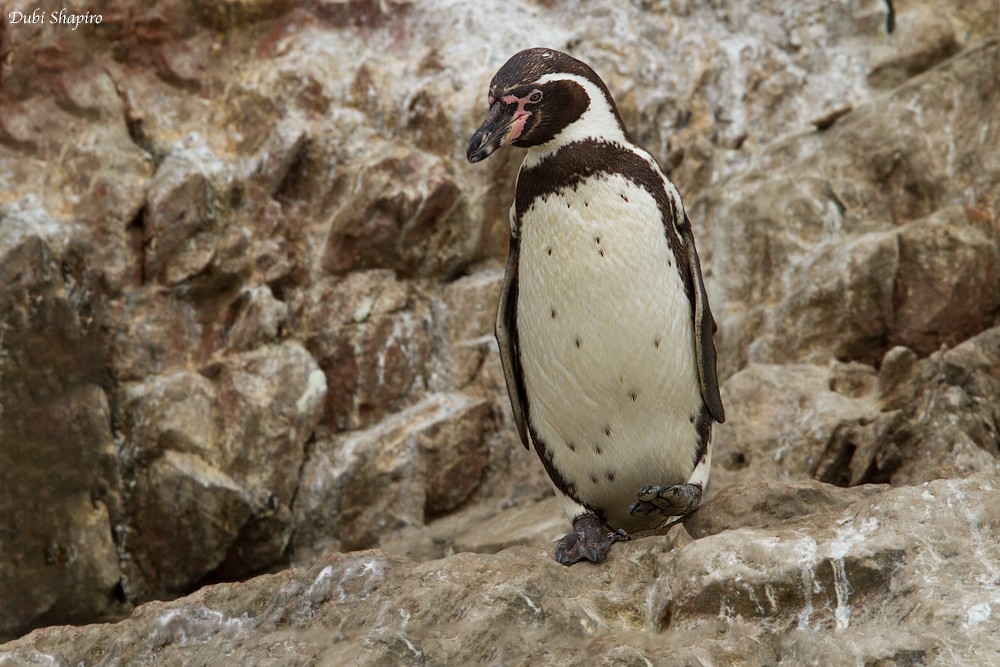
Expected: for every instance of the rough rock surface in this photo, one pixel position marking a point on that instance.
(822, 584)
(247, 288)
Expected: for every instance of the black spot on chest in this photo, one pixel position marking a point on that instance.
(575, 163)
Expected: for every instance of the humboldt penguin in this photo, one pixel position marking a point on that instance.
(604, 326)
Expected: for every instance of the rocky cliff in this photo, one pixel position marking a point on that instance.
(247, 287)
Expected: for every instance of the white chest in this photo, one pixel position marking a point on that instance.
(607, 343)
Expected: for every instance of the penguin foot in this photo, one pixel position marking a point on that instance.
(667, 499)
(588, 541)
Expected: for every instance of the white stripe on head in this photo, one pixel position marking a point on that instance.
(597, 122)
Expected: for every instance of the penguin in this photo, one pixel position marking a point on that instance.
(604, 326)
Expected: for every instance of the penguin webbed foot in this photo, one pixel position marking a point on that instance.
(588, 541)
(667, 499)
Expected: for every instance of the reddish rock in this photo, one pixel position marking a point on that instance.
(370, 334)
(398, 218)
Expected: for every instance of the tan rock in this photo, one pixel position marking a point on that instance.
(271, 400)
(482, 527)
(208, 460)
(822, 587)
(169, 412)
(464, 313)
(58, 492)
(801, 221)
(358, 488)
(839, 302)
(944, 411)
(925, 36)
(181, 226)
(140, 345)
(948, 286)
(851, 299)
(764, 503)
(183, 515)
(256, 318)
(802, 399)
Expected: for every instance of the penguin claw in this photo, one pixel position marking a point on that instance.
(667, 499)
(641, 507)
(619, 535)
(588, 541)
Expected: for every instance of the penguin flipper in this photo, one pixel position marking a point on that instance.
(704, 328)
(506, 335)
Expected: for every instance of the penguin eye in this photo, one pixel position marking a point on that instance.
(535, 97)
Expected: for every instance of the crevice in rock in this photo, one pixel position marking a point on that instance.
(663, 622)
(293, 187)
(834, 467)
(134, 121)
(230, 314)
(136, 231)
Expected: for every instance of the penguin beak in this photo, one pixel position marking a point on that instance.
(495, 131)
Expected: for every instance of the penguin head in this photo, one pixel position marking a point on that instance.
(541, 96)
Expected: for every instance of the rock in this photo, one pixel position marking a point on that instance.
(271, 400)
(180, 232)
(806, 216)
(763, 503)
(845, 569)
(279, 153)
(58, 485)
(842, 426)
(257, 318)
(926, 37)
(932, 302)
(464, 313)
(852, 299)
(839, 302)
(937, 419)
(169, 412)
(139, 346)
(208, 460)
(358, 488)
(483, 528)
(370, 334)
(405, 201)
(818, 588)
(804, 400)
(179, 498)
(57, 532)
(947, 414)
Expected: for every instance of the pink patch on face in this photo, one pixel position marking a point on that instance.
(520, 116)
